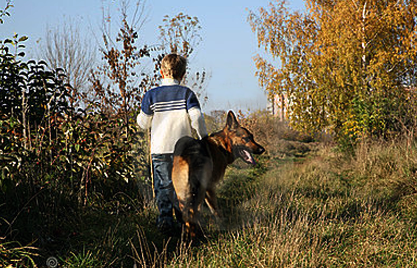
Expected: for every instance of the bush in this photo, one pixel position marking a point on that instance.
(57, 160)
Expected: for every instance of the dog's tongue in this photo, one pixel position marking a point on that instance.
(248, 157)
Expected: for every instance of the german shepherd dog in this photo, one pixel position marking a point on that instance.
(200, 164)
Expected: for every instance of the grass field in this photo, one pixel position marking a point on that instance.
(303, 205)
(324, 210)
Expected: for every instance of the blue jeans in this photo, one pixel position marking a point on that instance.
(164, 190)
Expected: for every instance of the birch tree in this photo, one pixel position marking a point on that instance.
(343, 64)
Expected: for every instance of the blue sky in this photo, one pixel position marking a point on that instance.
(226, 51)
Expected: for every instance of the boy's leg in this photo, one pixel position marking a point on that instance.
(164, 189)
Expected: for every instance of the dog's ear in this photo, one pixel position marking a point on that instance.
(231, 122)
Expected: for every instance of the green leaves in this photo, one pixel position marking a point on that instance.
(44, 138)
(22, 39)
(5, 12)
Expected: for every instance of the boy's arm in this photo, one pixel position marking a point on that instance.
(196, 116)
(144, 121)
(197, 122)
(144, 118)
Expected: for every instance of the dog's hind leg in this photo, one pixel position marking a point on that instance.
(211, 201)
(197, 198)
(180, 173)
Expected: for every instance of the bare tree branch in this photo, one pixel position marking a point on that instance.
(64, 47)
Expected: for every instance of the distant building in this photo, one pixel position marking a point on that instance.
(278, 106)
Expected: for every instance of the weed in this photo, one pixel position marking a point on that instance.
(12, 254)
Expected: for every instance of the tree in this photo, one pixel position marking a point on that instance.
(120, 82)
(181, 34)
(343, 64)
(64, 47)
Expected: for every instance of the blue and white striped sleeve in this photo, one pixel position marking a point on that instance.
(144, 118)
(196, 116)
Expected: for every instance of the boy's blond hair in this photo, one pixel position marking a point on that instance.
(174, 66)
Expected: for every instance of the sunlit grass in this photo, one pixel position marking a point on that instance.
(328, 209)
(325, 212)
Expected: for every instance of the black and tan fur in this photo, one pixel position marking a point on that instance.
(200, 164)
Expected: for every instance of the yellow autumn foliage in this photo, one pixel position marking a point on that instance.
(345, 66)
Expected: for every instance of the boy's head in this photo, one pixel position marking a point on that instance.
(173, 66)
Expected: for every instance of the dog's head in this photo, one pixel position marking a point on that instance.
(241, 140)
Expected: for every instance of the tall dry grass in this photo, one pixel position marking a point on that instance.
(297, 208)
(330, 210)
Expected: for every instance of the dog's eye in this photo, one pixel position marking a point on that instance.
(247, 139)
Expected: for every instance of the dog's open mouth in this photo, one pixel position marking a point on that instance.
(247, 156)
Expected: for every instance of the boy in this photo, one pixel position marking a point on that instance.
(170, 111)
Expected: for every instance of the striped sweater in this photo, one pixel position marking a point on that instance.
(168, 111)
